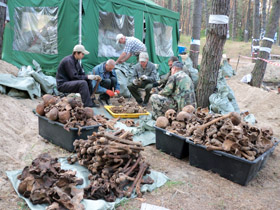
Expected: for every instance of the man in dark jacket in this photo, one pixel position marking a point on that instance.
(71, 78)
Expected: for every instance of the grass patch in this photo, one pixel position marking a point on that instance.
(22, 205)
(171, 184)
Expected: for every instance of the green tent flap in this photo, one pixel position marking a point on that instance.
(68, 14)
(47, 31)
(149, 7)
(161, 39)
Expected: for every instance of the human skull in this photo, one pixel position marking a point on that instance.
(178, 125)
(170, 114)
(189, 108)
(183, 116)
(267, 132)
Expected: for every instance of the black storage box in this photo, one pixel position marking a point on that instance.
(54, 132)
(236, 169)
(171, 143)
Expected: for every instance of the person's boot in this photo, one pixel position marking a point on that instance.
(94, 104)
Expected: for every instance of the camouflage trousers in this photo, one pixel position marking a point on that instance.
(160, 104)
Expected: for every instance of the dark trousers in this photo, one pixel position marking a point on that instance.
(109, 84)
(134, 90)
(83, 87)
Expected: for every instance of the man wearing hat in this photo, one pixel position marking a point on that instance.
(133, 46)
(145, 74)
(177, 93)
(71, 78)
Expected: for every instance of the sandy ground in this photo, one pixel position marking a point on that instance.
(189, 188)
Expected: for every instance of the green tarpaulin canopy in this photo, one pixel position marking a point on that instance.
(46, 31)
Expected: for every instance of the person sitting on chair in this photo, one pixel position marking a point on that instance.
(109, 85)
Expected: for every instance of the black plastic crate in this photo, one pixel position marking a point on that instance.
(55, 133)
(236, 169)
(171, 143)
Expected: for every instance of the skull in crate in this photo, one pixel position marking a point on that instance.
(267, 132)
(178, 125)
(170, 114)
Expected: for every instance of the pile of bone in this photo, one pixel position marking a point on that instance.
(127, 107)
(67, 110)
(44, 182)
(228, 133)
(115, 162)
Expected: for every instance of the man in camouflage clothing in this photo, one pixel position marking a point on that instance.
(178, 92)
(162, 82)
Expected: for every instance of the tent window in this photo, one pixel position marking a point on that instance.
(35, 29)
(163, 39)
(111, 24)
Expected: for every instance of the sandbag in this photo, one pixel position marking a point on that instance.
(124, 73)
(192, 72)
(18, 93)
(47, 83)
(223, 100)
(2, 89)
(226, 69)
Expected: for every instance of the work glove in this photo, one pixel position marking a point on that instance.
(94, 77)
(117, 92)
(143, 77)
(136, 82)
(110, 93)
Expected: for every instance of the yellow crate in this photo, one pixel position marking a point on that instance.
(124, 115)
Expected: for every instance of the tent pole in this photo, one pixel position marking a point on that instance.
(80, 21)
(80, 24)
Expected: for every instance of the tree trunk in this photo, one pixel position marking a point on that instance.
(233, 32)
(212, 54)
(206, 16)
(268, 10)
(2, 24)
(263, 17)
(189, 18)
(247, 25)
(260, 66)
(278, 35)
(179, 6)
(196, 27)
(256, 31)
(170, 4)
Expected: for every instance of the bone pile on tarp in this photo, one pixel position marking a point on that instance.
(71, 112)
(228, 133)
(44, 182)
(123, 106)
(115, 162)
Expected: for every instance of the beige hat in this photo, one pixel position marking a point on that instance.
(143, 56)
(118, 37)
(80, 48)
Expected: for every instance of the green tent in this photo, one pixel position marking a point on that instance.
(46, 31)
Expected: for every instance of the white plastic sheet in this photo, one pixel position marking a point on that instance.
(268, 39)
(195, 41)
(218, 19)
(35, 29)
(107, 33)
(163, 39)
(265, 49)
